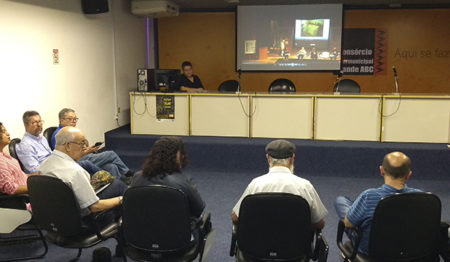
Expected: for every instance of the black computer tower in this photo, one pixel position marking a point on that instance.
(158, 80)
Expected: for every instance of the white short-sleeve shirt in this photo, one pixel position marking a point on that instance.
(281, 180)
(62, 166)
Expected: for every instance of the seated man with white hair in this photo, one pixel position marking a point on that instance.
(280, 156)
(70, 143)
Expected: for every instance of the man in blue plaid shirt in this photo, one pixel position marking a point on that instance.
(396, 170)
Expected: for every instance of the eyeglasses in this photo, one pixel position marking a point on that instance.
(35, 123)
(82, 144)
(71, 119)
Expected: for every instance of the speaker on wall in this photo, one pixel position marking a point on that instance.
(94, 6)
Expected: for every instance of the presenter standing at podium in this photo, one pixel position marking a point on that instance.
(188, 81)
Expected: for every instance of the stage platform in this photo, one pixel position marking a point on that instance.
(340, 158)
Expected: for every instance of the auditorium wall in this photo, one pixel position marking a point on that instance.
(418, 44)
(98, 57)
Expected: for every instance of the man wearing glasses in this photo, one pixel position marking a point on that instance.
(34, 149)
(70, 145)
(106, 160)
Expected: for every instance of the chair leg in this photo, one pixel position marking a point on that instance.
(120, 252)
(35, 238)
(344, 258)
(79, 253)
(78, 256)
(43, 242)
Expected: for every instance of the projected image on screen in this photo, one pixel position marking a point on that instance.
(318, 29)
(289, 37)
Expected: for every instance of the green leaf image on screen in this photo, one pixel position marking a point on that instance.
(312, 28)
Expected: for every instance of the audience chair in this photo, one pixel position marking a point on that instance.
(12, 150)
(282, 85)
(276, 227)
(229, 86)
(48, 135)
(17, 227)
(347, 86)
(445, 241)
(56, 210)
(405, 227)
(156, 226)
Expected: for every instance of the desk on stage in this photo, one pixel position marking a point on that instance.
(365, 117)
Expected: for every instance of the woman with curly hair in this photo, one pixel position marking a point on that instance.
(164, 166)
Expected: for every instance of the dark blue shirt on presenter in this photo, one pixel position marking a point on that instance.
(188, 81)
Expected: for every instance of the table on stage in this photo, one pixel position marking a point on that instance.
(362, 117)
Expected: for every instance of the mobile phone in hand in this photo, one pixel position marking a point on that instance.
(98, 144)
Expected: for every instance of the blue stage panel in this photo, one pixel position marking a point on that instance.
(339, 158)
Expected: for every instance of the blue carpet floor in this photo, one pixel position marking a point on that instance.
(221, 191)
(222, 168)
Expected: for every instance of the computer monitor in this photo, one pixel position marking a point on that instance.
(165, 80)
(158, 80)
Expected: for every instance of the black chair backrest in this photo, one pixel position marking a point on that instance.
(282, 85)
(347, 86)
(156, 218)
(405, 226)
(48, 135)
(55, 207)
(274, 226)
(12, 150)
(229, 86)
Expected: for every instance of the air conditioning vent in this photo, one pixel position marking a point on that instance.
(154, 9)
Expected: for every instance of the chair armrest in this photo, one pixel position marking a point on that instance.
(340, 234)
(91, 219)
(315, 252)
(100, 189)
(18, 201)
(233, 240)
(445, 226)
(444, 246)
(207, 236)
(321, 247)
(23, 197)
(444, 231)
(340, 244)
(205, 225)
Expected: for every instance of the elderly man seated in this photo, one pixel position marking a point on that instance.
(280, 156)
(70, 145)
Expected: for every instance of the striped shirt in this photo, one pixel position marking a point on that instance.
(361, 212)
(11, 176)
